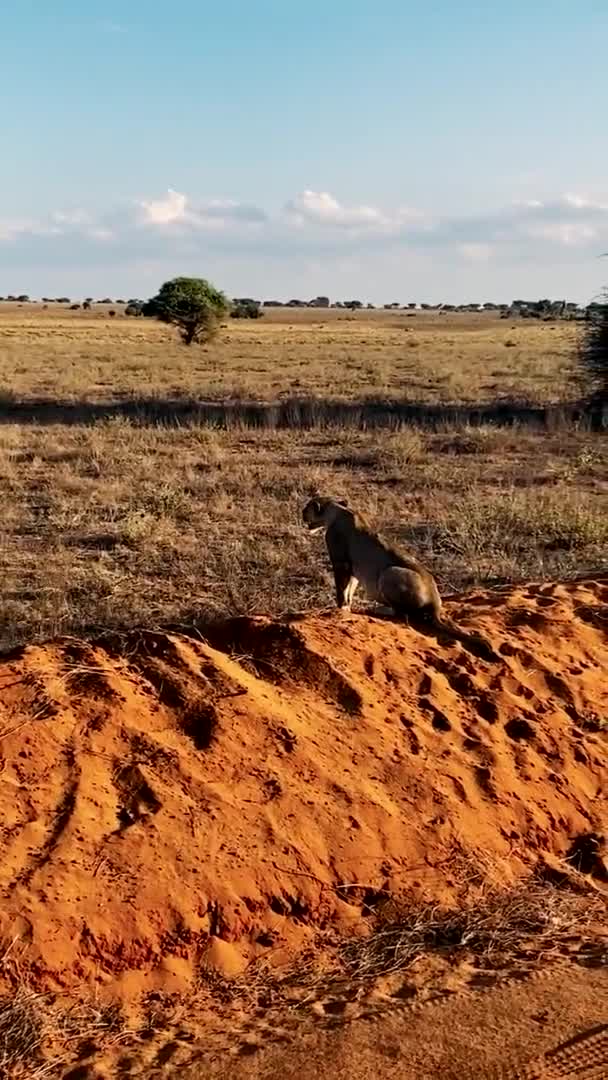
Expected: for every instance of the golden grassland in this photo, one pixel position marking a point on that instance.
(83, 356)
(122, 522)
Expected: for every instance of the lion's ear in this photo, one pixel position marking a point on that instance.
(316, 505)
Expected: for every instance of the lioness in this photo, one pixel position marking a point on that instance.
(397, 579)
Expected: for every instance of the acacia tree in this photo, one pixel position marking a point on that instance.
(194, 305)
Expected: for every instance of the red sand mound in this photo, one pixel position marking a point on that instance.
(163, 800)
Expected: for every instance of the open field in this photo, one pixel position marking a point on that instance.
(295, 844)
(84, 356)
(122, 522)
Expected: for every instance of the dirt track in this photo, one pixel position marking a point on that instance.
(555, 1027)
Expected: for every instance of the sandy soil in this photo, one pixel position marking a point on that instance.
(173, 803)
(554, 1026)
(161, 796)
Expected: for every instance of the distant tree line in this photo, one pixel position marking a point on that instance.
(249, 308)
(86, 303)
(517, 308)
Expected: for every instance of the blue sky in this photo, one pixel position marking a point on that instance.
(452, 150)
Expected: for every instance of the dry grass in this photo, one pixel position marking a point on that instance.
(81, 356)
(41, 1035)
(121, 522)
(21, 1033)
(118, 524)
(501, 931)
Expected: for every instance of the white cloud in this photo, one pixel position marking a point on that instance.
(321, 208)
(580, 202)
(176, 210)
(71, 217)
(566, 233)
(311, 228)
(164, 211)
(9, 229)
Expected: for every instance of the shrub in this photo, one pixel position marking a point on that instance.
(246, 309)
(194, 305)
(594, 349)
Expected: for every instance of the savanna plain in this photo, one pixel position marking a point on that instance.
(242, 835)
(110, 519)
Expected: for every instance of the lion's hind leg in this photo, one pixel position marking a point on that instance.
(400, 589)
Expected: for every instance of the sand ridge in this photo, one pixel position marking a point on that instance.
(171, 799)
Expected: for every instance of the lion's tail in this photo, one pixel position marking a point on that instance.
(477, 644)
